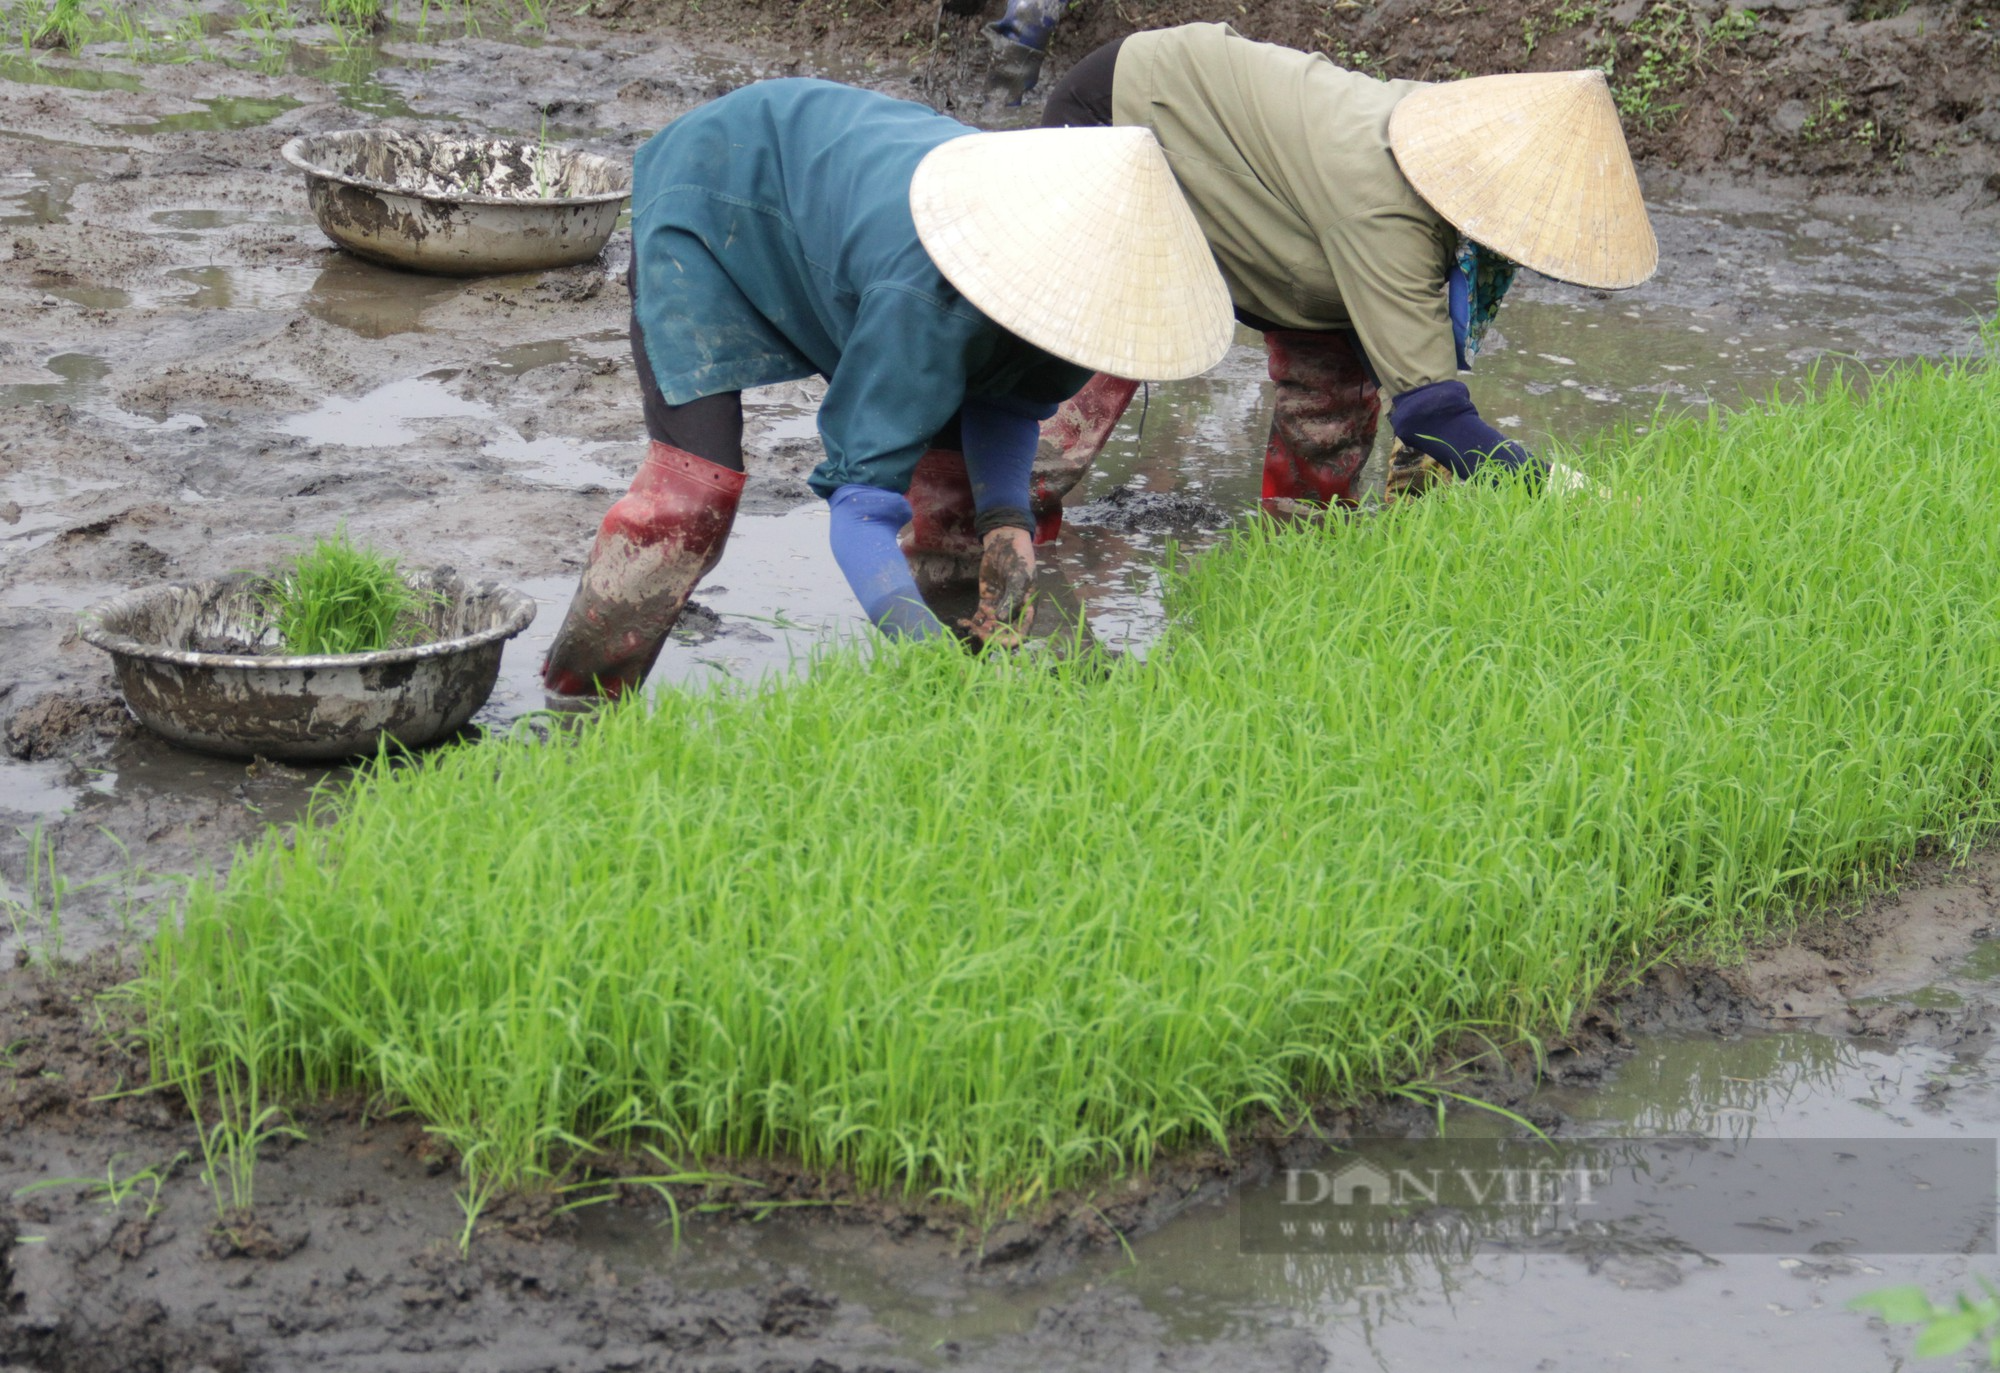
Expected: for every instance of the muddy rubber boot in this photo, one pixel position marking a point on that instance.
(1071, 440)
(657, 541)
(942, 541)
(1324, 421)
(944, 551)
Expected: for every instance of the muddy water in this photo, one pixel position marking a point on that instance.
(1190, 1298)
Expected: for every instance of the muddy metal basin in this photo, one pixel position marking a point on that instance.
(460, 206)
(184, 656)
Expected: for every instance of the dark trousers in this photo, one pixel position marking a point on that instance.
(710, 427)
(1083, 96)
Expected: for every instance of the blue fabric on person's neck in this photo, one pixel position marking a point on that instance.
(1478, 282)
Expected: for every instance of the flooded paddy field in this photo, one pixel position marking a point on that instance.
(192, 382)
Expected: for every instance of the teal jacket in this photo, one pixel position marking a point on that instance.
(772, 239)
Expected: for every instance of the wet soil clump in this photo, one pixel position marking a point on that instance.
(1127, 510)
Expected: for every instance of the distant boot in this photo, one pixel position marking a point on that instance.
(657, 541)
(1071, 440)
(1015, 70)
(1324, 422)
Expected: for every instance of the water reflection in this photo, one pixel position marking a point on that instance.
(371, 301)
(1576, 1297)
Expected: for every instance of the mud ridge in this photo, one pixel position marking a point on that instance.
(1878, 95)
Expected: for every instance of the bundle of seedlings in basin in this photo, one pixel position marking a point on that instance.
(337, 598)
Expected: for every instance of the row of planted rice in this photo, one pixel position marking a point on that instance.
(990, 929)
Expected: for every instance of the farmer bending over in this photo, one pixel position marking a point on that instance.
(1368, 228)
(951, 286)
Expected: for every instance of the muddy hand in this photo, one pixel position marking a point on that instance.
(1006, 577)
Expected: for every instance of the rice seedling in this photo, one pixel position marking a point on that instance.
(364, 14)
(543, 161)
(982, 930)
(65, 25)
(39, 906)
(112, 1190)
(337, 598)
(1948, 1327)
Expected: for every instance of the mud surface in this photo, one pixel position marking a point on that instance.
(118, 1257)
(192, 383)
(1884, 95)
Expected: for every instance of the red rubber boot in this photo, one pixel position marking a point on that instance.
(942, 519)
(657, 541)
(1324, 424)
(1071, 440)
(942, 543)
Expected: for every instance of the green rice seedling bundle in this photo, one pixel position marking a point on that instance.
(995, 931)
(337, 598)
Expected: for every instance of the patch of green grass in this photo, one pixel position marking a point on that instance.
(337, 598)
(989, 930)
(1948, 1327)
(1662, 51)
(181, 29)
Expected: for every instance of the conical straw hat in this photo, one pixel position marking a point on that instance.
(1533, 166)
(1079, 241)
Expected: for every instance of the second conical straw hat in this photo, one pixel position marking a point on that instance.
(1533, 166)
(1079, 241)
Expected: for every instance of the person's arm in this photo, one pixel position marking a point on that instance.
(863, 534)
(1440, 420)
(900, 377)
(1387, 263)
(1001, 435)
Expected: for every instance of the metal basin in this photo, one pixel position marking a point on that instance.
(186, 658)
(460, 206)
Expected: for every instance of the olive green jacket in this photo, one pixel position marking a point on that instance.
(1285, 158)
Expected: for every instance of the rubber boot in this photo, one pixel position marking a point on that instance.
(942, 541)
(1324, 422)
(657, 541)
(1071, 440)
(1015, 69)
(943, 547)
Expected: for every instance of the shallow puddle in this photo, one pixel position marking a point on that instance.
(386, 417)
(1629, 1293)
(75, 374)
(37, 194)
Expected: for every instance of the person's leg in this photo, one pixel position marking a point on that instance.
(1323, 423)
(1071, 440)
(711, 427)
(1020, 40)
(664, 535)
(1082, 99)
